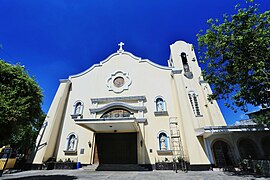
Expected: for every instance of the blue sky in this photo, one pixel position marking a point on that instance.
(58, 38)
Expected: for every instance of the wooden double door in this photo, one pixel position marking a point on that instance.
(116, 148)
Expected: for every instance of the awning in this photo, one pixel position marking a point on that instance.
(110, 125)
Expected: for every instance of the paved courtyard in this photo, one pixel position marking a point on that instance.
(130, 175)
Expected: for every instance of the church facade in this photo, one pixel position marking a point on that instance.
(129, 110)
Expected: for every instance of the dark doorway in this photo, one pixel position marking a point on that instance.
(247, 149)
(117, 148)
(266, 147)
(223, 154)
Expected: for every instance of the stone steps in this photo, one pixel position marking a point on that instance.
(91, 167)
(121, 167)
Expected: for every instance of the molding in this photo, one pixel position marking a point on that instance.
(126, 84)
(141, 120)
(210, 130)
(106, 119)
(161, 113)
(176, 71)
(115, 104)
(70, 152)
(261, 127)
(65, 81)
(202, 82)
(164, 152)
(155, 65)
(75, 116)
(112, 99)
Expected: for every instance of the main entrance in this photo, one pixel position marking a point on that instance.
(116, 148)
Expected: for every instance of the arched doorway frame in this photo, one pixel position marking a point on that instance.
(229, 145)
(255, 146)
(266, 153)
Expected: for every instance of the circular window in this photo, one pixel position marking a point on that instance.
(118, 81)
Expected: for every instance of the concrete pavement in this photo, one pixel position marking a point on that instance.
(130, 175)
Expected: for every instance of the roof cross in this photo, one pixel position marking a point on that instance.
(121, 44)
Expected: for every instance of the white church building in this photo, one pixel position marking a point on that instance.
(129, 110)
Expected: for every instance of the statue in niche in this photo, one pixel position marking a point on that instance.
(186, 68)
(78, 108)
(163, 142)
(159, 105)
(71, 144)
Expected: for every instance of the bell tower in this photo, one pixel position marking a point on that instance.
(194, 89)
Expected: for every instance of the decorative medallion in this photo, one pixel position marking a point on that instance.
(118, 82)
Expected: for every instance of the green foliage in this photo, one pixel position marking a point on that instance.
(262, 118)
(20, 107)
(237, 54)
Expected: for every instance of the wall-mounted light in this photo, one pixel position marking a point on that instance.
(141, 143)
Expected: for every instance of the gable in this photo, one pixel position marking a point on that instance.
(120, 60)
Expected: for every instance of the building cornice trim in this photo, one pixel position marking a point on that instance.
(113, 99)
(117, 104)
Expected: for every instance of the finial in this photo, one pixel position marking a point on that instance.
(121, 44)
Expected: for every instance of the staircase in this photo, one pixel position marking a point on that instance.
(122, 167)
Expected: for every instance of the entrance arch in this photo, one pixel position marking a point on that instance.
(223, 154)
(247, 149)
(266, 147)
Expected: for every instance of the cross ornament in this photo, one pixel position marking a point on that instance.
(121, 44)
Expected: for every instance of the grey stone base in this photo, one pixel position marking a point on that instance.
(200, 167)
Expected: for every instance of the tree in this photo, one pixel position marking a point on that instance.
(20, 107)
(262, 118)
(237, 54)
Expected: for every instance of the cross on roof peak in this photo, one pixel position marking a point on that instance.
(121, 44)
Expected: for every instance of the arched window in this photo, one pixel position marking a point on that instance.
(71, 143)
(116, 113)
(223, 154)
(77, 109)
(163, 141)
(193, 98)
(247, 149)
